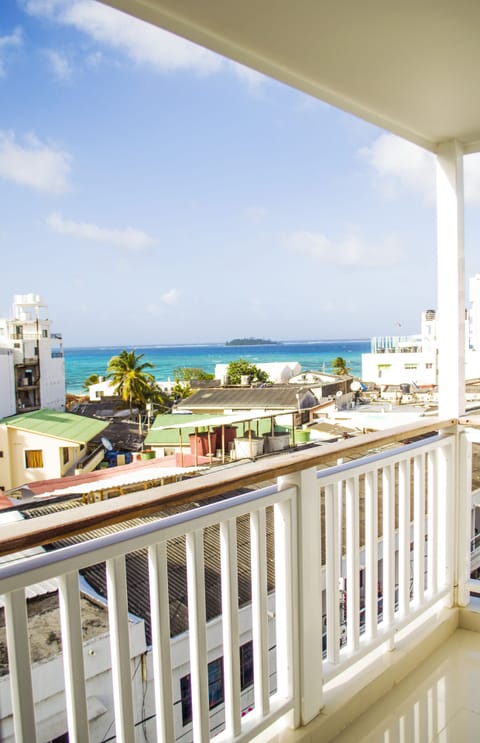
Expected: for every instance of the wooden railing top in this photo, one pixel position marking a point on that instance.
(54, 527)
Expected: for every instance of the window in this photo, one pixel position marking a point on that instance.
(1, 454)
(215, 681)
(215, 689)
(410, 366)
(246, 665)
(65, 454)
(33, 458)
(44, 333)
(428, 366)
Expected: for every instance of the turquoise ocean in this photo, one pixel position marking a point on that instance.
(311, 355)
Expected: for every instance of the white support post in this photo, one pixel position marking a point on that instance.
(451, 280)
(309, 591)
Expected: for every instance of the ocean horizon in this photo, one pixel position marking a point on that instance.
(312, 355)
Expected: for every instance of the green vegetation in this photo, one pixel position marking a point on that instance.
(251, 342)
(238, 369)
(92, 379)
(187, 373)
(339, 366)
(131, 379)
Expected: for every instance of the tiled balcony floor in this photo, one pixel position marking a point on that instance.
(437, 703)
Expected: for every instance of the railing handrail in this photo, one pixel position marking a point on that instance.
(42, 566)
(44, 530)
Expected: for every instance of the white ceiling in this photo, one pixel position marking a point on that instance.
(409, 66)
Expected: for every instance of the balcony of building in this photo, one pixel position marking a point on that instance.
(348, 568)
(355, 575)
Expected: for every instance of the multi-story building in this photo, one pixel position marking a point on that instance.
(413, 359)
(31, 359)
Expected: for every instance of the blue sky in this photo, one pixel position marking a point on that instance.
(153, 192)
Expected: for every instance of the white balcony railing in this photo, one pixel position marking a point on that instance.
(350, 554)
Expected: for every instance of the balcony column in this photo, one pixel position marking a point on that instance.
(309, 674)
(451, 280)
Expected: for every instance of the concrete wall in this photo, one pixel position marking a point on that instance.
(17, 442)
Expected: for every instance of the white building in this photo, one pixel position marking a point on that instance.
(32, 366)
(278, 371)
(413, 359)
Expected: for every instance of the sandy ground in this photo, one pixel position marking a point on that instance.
(44, 627)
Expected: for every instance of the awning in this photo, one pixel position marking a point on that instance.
(221, 420)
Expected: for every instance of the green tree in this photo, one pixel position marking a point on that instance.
(130, 377)
(181, 390)
(339, 366)
(187, 373)
(92, 379)
(238, 369)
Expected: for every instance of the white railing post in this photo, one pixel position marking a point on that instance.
(72, 644)
(120, 648)
(309, 591)
(258, 542)
(231, 658)
(197, 635)
(371, 554)
(286, 601)
(161, 652)
(16, 624)
(463, 508)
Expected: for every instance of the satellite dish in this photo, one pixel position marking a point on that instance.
(339, 393)
(107, 444)
(356, 386)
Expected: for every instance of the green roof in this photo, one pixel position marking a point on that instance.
(158, 436)
(77, 428)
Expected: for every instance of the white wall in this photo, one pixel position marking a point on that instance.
(398, 368)
(7, 384)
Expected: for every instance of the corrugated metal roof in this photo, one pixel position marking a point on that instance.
(137, 566)
(278, 396)
(57, 424)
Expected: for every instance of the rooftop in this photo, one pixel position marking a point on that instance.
(59, 425)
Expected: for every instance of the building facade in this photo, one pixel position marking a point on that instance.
(32, 365)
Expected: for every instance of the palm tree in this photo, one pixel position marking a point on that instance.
(130, 378)
(339, 366)
(92, 379)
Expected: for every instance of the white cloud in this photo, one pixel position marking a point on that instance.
(401, 164)
(252, 78)
(13, 40)
(139, 41)
(129, 239)
(40, 166)
(59, 64)
(170, 297)
(351, 253)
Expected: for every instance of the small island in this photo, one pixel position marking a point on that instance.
(251, 342)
